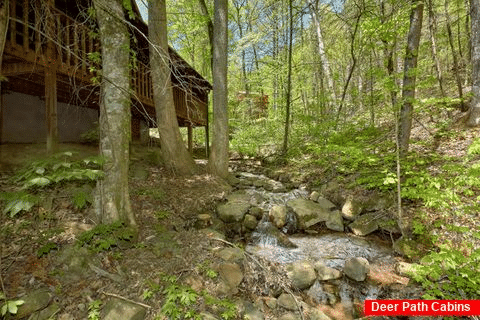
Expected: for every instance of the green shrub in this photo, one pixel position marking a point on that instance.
(106, 236)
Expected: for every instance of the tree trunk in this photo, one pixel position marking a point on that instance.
(474, 116)
(409, 78)
(218, 161)
(113, 202)
(321, 50)
(432, 26)
(455, 58)
(289, 80)
(203, 7)
(4, 14)
(174, 152)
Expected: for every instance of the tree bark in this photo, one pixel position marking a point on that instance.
(474, 116)
(112, 199)
(4, 14)
(289, 80)
(206, 15)
(218, 161)
(174, 152)
(432, 26)
(321, 49)
(455, 58)
(409, 78)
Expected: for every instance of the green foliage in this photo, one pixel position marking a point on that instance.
(474, 148)
(207, 270)
(59, 168)
(226, 307)
(155, 193)
(450, 273)
(105, 236)
(10, 306)
(94, 310)
(16, 202)
(162, 214)
(81, 198)
(45, 249)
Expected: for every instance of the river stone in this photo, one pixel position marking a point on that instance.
(278, 216)
(290, 316)
(365, 224)
(231, 274)
(231, 254)
(357, 268)
(250, 222)
(316, 314)
(335, 221)
(314, 196)
(405, 269)
(257, 212)
(287, 301)
(302, 274)
(252, 312)
(326, 273)
(271, 302)
(120, 309)
(308, 212)
(351, 208)
(33, 301)
(327, 204)
(235, 208)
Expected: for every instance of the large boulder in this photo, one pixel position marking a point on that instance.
(309, 213)
(120, 309)
(357, 268)
(302, 274)
(235, 208)
(326, 273)
(278, 216)
(364, 224)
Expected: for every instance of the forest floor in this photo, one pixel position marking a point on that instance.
(166, 207)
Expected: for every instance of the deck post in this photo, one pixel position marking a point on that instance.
(190, 138)
(51, 84)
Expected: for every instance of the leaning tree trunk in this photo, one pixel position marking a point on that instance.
(474, 116)
(409, 78)
(218, 160)
(113, 202)
(174, 152)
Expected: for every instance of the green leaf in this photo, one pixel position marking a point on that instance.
(37, 182)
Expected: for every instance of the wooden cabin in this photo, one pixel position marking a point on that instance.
(50, 94)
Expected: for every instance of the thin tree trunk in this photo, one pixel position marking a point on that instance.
(468, 31)
(350, 72)
(203, 7)
(4, 14)
(112, 200)
(455, 58)
(474, 116)
(289, 81)
(432, 26)
(409, 78)
(174, 152)
(218, 161)
(321, 50)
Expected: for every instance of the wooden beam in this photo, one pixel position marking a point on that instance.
(51, 108)
(190, 138)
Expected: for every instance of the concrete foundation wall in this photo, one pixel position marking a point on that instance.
(23, 120)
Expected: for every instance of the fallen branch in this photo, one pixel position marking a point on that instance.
(126, 299)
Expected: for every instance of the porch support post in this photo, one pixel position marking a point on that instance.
(190, 138)
(51, 82)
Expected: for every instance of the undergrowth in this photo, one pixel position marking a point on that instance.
(106, 236)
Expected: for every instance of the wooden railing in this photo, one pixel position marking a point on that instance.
(43, 35)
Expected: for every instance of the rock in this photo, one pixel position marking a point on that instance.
(269, 233)
(357, 268)
(235, 208)
(302, 274)
(316, 314)
(232, 180)
(308, 212)
(316, 294)
(325, 203)
(335, 221)
(257, 212)
(351, 209)
(213, 234)
(278, 216)
(405, 269)
(314, 196)
(287, 301)
(290, 316)
(250, 222)
(231, 274)
(204, 220)
(271, 302)
(365, 224)
(326, 273)
(252, 313)
(33, 301)
(231, 254)
(120, 309)
(389, 225)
